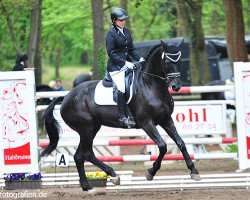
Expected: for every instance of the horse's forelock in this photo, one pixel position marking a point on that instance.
(172, 48)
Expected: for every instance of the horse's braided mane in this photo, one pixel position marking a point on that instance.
(151, 50)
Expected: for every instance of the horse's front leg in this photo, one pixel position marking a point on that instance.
(153, 133)
(170, 128)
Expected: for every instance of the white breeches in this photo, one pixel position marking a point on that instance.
(119, 78)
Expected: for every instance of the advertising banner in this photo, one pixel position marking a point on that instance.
(18, 133)
(242, 94)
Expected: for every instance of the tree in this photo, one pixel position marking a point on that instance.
(10, 25)
(124, 5)
(198, 63)
(247, 18)
(235, 31)
(98, 35)
(182, 16)
(35, 40)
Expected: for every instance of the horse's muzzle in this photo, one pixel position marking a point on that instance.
(176, 84)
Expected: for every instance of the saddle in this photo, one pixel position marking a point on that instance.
(108, 82)
(106, 89)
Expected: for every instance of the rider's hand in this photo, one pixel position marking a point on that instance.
(141, 59)
(129, 65)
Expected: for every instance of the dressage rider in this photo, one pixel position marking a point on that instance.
(20, 62)
(120, 48)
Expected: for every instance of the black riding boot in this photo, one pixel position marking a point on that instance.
(123, 119)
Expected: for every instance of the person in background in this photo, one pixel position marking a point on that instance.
(21, 62)
(52, 84)
(59, 85)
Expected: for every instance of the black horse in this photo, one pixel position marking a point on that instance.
(152, 105)
(81, 78)
(44, 88)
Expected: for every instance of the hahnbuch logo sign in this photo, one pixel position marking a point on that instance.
(14, 122)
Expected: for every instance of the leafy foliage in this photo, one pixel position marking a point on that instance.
(19, 14)
(67, 25)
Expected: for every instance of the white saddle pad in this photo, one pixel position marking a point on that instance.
(104, 96)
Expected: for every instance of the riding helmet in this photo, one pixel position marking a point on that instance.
(118, 13)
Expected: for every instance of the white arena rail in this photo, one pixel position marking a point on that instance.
(183, 90)
(137, 183)
(181, 182)
(191, 141)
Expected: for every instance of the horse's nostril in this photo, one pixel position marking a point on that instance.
(175, 88)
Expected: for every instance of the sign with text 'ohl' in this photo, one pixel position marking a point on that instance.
(200, 117)
(18, 132)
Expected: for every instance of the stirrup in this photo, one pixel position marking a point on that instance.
(131, 122)
(127, 122)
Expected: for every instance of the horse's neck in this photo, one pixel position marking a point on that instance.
(153, 64)
(153, 67)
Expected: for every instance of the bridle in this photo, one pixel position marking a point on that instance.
(170, 76)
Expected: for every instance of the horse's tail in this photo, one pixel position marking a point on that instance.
(52, 127)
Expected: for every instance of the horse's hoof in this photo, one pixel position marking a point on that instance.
(195, 177)
(149, 176)
(116, 180)
(97, 191)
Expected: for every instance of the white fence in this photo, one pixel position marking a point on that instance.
(193, 119)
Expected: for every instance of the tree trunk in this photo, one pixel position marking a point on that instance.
(200, 47)
(149, 24)
(215, 18)
(198, 59)
(35, 40)
(58, 61)
(182, 16)
(236, 43)
(124, 5)
(98, 31)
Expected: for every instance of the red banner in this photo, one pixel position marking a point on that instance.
(19, 155)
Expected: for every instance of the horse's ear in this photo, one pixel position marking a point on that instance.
(181, 43)
(164, 44)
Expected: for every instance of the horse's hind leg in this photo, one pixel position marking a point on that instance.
(83, 153)
(172, 132)
(107, 169)
(80, 158)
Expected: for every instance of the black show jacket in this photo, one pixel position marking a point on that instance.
(119, 48)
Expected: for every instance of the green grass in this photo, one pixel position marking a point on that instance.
(232, 148)
(67, 74)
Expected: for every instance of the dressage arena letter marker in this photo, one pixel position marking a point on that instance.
(62, 160)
